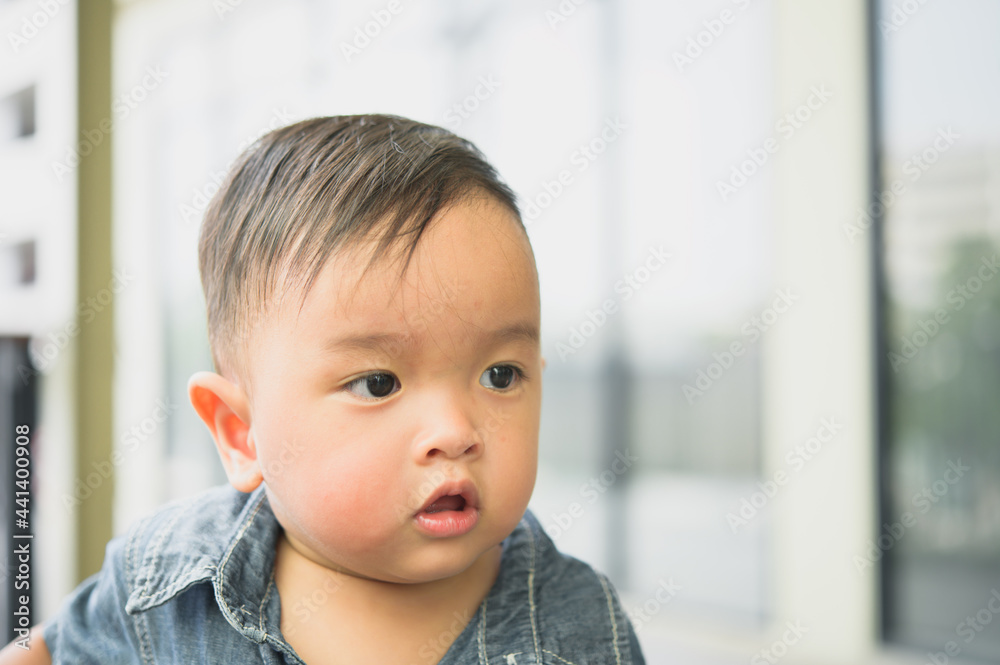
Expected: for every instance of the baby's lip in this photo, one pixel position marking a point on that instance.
(463, 487)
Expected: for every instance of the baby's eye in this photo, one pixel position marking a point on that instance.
(373, 386)
(501, 376)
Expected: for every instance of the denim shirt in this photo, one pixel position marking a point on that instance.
(194, 583)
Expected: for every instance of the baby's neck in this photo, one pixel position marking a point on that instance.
(318, 601)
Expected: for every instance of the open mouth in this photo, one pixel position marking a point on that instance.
(452, 510)
(449, 502)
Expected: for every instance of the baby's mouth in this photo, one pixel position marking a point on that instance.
(452, 510)
(450, 502)
(458, 495)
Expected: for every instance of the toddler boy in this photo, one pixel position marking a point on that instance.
(374, 315)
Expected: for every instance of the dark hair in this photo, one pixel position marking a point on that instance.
(302, 192)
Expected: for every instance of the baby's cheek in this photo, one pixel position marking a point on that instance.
(516, 467)
(350, 503)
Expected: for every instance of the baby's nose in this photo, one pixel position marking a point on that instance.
(451, 445)
(448, 431)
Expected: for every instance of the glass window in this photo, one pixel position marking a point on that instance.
(939, 153)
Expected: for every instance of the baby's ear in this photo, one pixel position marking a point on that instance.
(225, 410)
(543, 363)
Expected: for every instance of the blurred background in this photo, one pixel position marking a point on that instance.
(780, 441)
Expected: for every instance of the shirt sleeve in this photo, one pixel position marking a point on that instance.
(92, 626)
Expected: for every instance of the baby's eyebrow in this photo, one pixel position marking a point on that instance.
(393, 343)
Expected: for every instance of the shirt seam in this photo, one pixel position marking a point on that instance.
(278, 644)
(138, 622)
(263, 603)
(141, 625)
(614, 620)
(555, 655)
(482, 633)
(221, 573)
(531, 593)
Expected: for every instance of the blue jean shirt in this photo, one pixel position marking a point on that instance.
(194, 583)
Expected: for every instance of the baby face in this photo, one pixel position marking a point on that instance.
(396, 423)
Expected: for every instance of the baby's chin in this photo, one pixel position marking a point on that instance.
(429, 562)
(432, 569)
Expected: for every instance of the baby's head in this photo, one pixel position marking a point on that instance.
(374, 316)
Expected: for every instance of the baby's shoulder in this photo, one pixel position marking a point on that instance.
(573, 606)
(559, 577)
(569, 587)
(180, 543)
(164, 555)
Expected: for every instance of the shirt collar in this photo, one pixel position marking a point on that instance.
(222, 535)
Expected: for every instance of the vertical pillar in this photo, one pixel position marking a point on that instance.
(94, 370)
(819, 364)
